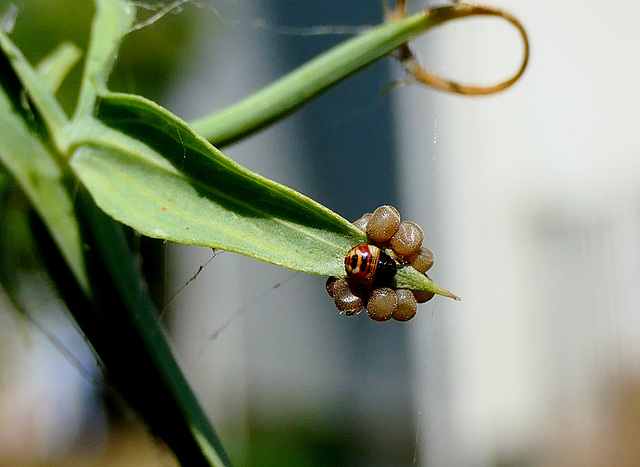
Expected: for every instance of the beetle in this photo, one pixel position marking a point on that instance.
(369, 265)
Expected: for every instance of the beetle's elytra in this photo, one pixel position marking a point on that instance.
(369, 265)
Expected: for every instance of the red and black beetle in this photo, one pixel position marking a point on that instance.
(369, 265)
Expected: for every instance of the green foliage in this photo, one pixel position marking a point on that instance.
(124, 159)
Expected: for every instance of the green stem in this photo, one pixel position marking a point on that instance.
(290, 92)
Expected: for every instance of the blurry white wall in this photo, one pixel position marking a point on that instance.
(531, 200)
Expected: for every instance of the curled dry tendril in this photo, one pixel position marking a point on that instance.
(420, 74)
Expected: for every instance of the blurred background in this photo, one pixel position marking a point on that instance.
(529, 199)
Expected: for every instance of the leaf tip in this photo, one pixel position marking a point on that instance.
(446, 293)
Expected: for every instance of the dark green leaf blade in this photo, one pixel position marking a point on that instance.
(124, 327)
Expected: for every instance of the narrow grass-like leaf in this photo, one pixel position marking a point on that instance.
(55, 67)
(181, 188)
(34, 168)
(36, 88)
(9, 248)
(112, 20)
(133, 327)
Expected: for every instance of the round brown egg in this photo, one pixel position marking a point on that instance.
(422, 260)
(422, 296)
(382, 304)
(383, 223)
(363, 221)
(331, 281)
(408, 238)
(345, 300)
(407, 305)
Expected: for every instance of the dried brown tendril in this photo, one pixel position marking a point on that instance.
(448, 13)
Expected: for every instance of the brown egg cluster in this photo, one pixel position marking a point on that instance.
(386, 230)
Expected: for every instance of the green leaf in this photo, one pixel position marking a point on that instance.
(36, 88)
(146, 340)
(12, 239)
(55, 67)
(34, 168)
(133, 332)
(178, 187)
(112, 20)
(184, 190)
